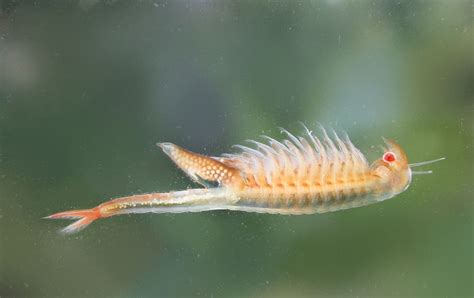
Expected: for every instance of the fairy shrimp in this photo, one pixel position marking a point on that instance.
(298, 175)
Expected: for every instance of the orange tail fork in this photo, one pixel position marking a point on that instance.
(86, 217)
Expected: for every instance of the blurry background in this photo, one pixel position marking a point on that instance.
(88, 87)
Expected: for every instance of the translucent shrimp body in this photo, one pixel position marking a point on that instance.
(299, 175)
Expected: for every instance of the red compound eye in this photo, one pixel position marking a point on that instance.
(389, 157)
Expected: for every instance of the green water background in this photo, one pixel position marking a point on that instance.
(88, 87)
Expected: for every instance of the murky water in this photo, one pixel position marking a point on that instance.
(88, 88)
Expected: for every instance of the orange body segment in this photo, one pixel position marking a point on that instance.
(200, 167)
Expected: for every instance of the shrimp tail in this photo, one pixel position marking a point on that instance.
(85, 217)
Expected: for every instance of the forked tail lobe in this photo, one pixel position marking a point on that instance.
(85, 216)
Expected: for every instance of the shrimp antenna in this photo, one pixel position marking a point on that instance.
(417, 164)
(421, 172)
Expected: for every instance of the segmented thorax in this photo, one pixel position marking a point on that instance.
(301, 168)
(310, 173)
